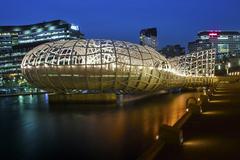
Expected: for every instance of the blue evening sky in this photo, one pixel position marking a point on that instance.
(177, 21)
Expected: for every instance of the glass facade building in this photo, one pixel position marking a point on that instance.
(172, 50)
(16, 41)
(227, 45)
(149, 37)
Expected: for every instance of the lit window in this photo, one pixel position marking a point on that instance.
(52, 27)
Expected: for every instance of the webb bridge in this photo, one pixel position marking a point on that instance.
(74, 68)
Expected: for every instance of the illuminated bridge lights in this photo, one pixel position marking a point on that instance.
(106, 66)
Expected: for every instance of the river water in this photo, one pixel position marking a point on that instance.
(30, 128)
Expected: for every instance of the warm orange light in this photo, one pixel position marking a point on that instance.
(212, 113)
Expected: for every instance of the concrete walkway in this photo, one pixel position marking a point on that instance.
(215, 134)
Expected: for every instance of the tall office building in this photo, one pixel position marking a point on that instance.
(227, 45)
(173, 50)
(149, 37)
(16, 41)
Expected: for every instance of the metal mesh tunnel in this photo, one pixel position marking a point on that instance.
(102, 66)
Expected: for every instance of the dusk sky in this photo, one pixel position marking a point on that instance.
(177, 21)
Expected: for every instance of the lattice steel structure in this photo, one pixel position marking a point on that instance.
(195, 64)
(101, 66)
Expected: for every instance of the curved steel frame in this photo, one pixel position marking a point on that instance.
(94, 66)
(200, 63)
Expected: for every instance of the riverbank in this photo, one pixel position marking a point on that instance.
(22, 94)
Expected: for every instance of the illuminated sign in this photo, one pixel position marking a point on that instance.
(74, 27)
(213, 34)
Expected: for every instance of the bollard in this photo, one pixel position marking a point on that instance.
(173, 136)
(204, 101)
(193, 105)
(196, 109)
(209, 92)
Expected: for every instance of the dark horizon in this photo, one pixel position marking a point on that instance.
(177, 22)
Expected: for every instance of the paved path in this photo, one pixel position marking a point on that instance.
(216, 133)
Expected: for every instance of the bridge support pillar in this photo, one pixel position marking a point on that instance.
(120, 99)
(82, 98)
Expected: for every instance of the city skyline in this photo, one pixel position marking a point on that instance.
(122, 20)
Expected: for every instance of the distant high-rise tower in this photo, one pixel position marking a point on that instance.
(227, 46)
(148, 37)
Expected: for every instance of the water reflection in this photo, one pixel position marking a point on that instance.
(33, 128)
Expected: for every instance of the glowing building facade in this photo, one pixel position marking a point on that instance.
(227, 46)
(16, 41)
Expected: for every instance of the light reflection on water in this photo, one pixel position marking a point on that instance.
(33, 128)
